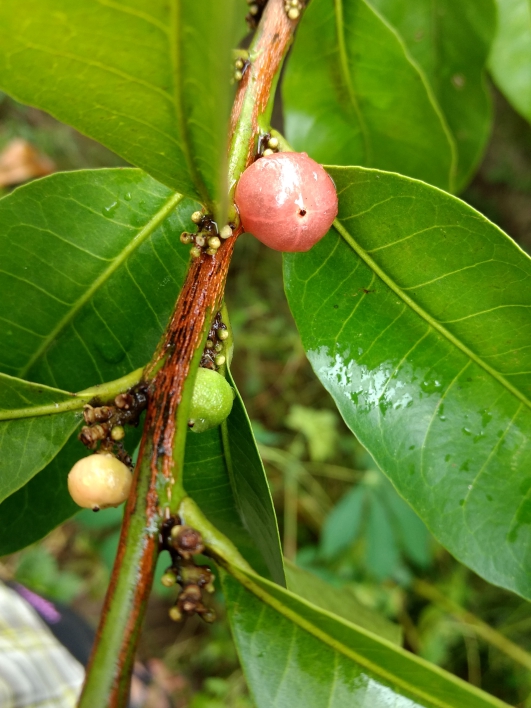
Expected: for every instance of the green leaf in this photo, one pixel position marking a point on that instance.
(343, 523)
(295, 654)
(381, 553)
(149, 82)
(510, 58)
(42, 504)
(416, 316)
(225, 477)
(91, 268)
(27, 445)
(339, 601)
(450, 40)
(352, 96)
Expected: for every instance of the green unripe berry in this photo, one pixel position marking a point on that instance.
(214, 242)
(211, 400)
(222, 334)
(220, 360)
(195, 252)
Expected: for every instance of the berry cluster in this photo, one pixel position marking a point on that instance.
(105, 423)
(207, 239)
(213, 353)
(293, 9)
(182, 543)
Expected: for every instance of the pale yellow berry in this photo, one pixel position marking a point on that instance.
(99, 481)
(226, 232)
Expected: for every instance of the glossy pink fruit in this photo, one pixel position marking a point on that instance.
(287, 201)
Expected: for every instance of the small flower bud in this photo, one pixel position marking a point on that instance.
(219, 347)
(186, 541)
(226, 232)
(208, 615)
(214, 242)
(175, 614)
(196, 217)
(268, 152)
(222, 334)
(294, 13)
(195, 252)
(238, 75)
(200, 239)
(168, 579)
(239, 63)
(211, 251)
(254, 9)
(118, 433)
(209, 344)
(273, 143)
(186, 237)
(124, 400)
(220, 360)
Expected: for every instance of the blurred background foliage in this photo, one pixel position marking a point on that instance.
(339, 517)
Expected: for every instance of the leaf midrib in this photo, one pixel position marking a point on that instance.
(144, 233)
(345, 73)
(246, 580)
(362, 253)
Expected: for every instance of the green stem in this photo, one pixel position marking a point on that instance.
(104, 392)
(215, 542)
(482, 629)
(125, 607)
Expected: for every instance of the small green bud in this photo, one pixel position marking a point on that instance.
(294, 13)
(211, 251)
(219, 347)
(196, 217)
(168, 579)
(268, 152)
(200, 239)
(239, 63)
(175, 614)
(273, 143)
(220, 360)
(208, 616)
(209, 344)
(214, 242)
(118, 433)
(195, 252)
(186, 237)
(254, 9)
(222, 334)
(226, 232)
(238, 75)
(211, 400)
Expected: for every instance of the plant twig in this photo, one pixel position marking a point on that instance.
(482, 629)
(158, 477)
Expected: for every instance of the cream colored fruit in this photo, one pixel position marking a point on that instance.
(99, 481)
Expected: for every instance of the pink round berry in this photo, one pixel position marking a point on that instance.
(287, 201)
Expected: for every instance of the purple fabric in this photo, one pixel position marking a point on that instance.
(45, 608)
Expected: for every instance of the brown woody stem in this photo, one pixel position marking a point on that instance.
(157, 486)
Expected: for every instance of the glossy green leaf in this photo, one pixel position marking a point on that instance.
(339, 601)
(92, 265)
(295, 654)
(416, 316)
(450, 40)
(27, 445)
(352, 96)
(151, 82)
(91, 268)
(42, 504)
(510, 58)
(225, 476)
